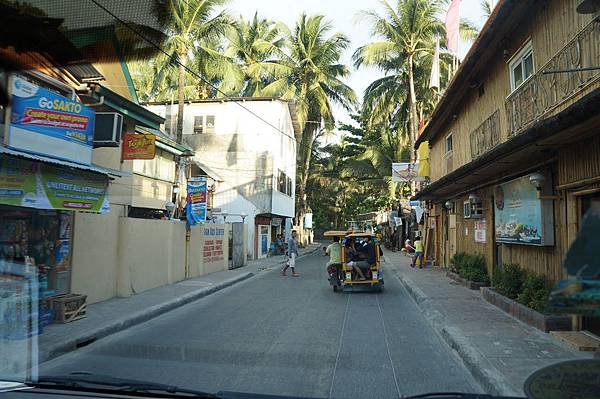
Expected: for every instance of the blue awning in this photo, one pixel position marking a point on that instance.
(55, 161)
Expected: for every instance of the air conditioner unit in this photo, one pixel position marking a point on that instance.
(108, 128)
(467, 209)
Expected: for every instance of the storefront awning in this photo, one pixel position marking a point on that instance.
(209, 172)
(55, 161)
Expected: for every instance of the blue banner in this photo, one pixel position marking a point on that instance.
(47, 123)
(196, 200)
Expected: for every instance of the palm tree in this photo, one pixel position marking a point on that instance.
(487, 6)
(406, 33)
(255, 47)
(311, 76)
(195, 27)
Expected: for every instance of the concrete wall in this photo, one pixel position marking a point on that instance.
(151, 254)
(94, 268)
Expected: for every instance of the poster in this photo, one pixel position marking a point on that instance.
(42, 186)
(212, 248)
(139, 146)
(518, 213)
(47, 123)
(196, 200)
(479, 229)
(308, 221)
(406, 172)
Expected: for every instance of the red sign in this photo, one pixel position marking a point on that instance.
(139, 146)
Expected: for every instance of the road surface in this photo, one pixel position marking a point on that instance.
(284, 335)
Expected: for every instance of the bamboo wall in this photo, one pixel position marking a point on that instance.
(552, 25)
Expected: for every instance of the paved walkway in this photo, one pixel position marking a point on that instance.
(500, 351)
(116, 314)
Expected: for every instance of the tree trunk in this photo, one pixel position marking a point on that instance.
(412, 104)
(181, 100)
(306, 145)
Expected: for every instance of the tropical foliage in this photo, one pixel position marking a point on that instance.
(260, 57)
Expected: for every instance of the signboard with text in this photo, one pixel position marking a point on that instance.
(43, 186)
(196, 200)
(479, 228)
(47, 123)
(139, 146)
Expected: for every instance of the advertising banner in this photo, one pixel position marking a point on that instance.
(406, 172)
(308, 221)
(42, 186)
(196, 200)
(139, 146)
(47, 123)
(519, 214)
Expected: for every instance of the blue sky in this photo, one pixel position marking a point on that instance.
(343, 15)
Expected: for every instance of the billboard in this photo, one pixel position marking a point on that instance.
(43, 186)
(196, 200)
(46, 123)
(406, 172)
(520, 217)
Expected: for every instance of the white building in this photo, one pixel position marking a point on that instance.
(248, 146)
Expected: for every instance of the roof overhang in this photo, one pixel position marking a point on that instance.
(126, 107)
(522, 153)
(60, 162)
(207, 169)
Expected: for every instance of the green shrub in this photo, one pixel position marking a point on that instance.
(473, 268)
(535, 292)
(457, 260)
(509, 280)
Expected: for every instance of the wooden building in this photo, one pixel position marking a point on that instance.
(515, 140)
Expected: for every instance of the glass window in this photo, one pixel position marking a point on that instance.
(198, 124)
(449, 144)
(210, 124)
(521, 67)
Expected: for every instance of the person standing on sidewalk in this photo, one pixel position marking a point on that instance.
(292, 255)
(418, 253)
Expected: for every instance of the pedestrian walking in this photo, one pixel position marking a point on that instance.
(292, 254)
(418, 253)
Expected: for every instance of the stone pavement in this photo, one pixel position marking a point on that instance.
(500, 351)
(116, 314)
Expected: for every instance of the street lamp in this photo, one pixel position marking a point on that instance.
(224, 217)
(449, 205)
(243, 215)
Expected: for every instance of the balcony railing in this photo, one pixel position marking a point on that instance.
(486, 136)
(543, 92)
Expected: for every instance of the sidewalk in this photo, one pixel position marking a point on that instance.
(500, 351)
(116, 314)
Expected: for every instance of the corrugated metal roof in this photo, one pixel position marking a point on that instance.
(55, 161)
(211, 173)
(84, 72)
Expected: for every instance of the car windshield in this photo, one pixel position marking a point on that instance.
(322, 199)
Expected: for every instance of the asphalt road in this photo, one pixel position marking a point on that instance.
(284, 335)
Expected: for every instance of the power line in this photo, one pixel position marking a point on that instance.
(160, 49)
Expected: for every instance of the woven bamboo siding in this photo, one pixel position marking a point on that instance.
(551, 27)
(579, 161)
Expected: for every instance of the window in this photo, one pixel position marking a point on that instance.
(284, 183)
(204, 124)
(170, 120)
(521, 66)
(449, 145)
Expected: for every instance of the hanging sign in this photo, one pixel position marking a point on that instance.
(196, 200)
(308, 221)
(46, 123)
(35, 185)
(406, 172)
(139, 146)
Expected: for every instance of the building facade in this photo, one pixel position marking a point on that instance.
(250, 151)
(515, 141)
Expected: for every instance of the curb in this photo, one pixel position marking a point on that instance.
(77, 342)
(484, 373)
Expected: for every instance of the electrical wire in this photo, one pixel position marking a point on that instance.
(190, 71)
